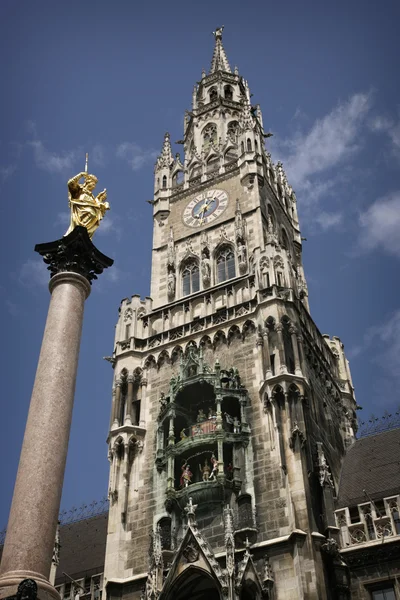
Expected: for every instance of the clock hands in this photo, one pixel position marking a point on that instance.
(204, 207)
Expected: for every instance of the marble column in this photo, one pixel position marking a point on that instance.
(73, 262)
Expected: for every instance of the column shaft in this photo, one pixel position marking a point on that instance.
(129, 402)
(297, 366)
(34, 511)
(267, 355)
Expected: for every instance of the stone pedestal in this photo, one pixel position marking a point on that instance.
(73, 263)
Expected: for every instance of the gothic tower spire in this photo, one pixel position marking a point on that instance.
(219, 60)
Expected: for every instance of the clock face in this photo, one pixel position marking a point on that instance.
(205, 208)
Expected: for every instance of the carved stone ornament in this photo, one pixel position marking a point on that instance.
(128, 314)
(297, 433)
(191, 553)
(331, 548)
(74, 253)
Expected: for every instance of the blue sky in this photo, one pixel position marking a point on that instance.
(109, 78)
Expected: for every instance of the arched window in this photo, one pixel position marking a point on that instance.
(271, 215)
(209, 136)
(225, 264)
(264, 273)
(213, 94)
(178, 178)
(248, 145)
(256, 145)
(233, 130)
(228, 92)
(190, 278)
(165, 532)
(242, 147)
(285, 241)
(164, 182)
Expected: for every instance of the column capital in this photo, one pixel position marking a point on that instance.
(279, 327)
(74, 253)
(143, 381)
(292, 330)
(71, 278)
(131, 379)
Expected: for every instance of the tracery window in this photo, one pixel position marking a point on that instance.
(209, 136)
(232, 132)
(164, 182)
(248, 145)
(225, 264)
(190, 278)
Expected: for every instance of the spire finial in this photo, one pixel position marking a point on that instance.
(86, 162)
(219, 60)
(218, 32)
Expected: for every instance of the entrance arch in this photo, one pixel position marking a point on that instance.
(195, 584)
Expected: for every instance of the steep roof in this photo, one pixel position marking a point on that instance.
(83, 547)
(372, 464)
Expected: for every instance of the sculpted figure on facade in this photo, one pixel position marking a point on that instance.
(171, 284)
(206, 270)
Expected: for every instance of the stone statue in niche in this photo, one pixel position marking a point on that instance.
(171, 283)
(206, 270)
(241, 253)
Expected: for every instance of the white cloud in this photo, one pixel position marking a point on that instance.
(328, 142)
(51, 161)
(33, 272)
(6, 172)
(382, 124)
(385, 340)
(98, 155)
(380, 225)
(134, 155)
(63, 218)
(328, 220)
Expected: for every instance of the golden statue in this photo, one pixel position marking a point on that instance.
(87, 210)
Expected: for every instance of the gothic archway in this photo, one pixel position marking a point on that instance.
(195, 584)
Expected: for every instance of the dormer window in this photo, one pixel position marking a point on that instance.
(228, 92)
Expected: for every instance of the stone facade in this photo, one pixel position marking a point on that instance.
(224, 367)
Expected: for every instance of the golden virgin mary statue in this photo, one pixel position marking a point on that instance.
(87, 210)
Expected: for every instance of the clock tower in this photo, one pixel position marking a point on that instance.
(231, 413)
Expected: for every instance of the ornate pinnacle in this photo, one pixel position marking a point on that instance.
(190, 510)
(165, 159)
